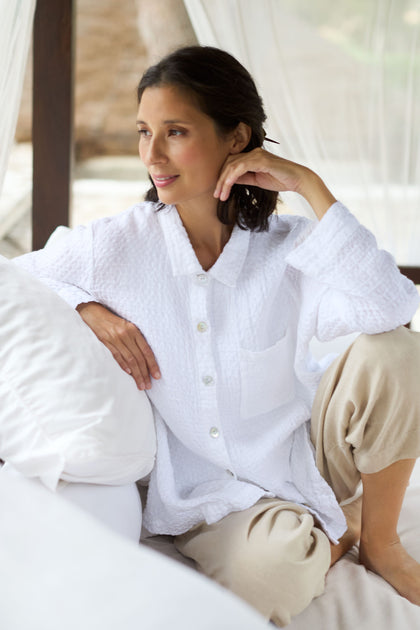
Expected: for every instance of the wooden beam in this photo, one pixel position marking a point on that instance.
(52, 126)
(412, 272)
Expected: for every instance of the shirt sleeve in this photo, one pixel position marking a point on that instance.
(66, 266)
(352, 284)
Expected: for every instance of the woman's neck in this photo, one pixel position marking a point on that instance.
(207, 234)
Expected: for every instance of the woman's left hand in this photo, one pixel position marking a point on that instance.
(266, 170)
(258, 168)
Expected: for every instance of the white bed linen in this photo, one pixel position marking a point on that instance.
(118, 507)
(62, 569)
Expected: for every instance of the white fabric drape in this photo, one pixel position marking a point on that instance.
(341, 86)
(16, 20)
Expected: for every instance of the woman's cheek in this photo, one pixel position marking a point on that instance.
(189, 156)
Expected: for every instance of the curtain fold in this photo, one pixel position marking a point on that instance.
(341, 86)
(16, 21)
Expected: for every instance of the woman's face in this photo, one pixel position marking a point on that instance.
(180, 147)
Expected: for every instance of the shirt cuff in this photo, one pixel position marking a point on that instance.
(75, 296)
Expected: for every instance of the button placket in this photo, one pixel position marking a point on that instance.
(209, 412)
(203, 346)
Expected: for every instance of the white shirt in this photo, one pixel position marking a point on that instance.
(238, 381)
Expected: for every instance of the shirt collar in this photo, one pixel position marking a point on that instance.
(227, 267)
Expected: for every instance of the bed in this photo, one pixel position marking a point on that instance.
(63, 568)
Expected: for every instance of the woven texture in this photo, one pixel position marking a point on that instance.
(229, 431)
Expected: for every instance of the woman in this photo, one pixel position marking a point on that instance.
(210, 301)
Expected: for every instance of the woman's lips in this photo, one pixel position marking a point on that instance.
(163, 181)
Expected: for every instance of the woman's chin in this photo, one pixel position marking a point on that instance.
(166, 198)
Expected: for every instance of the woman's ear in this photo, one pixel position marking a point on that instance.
(240, 138)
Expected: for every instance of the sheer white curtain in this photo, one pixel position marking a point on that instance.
(341, 86)
(16, 20)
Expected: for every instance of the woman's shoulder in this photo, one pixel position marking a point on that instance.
(282, 226)
(284, 232)
(139, 213)
(131, 222)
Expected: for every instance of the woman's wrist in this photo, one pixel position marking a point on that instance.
(316, 193)
(80, 307)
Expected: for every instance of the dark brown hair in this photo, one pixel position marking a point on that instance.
(224, 90)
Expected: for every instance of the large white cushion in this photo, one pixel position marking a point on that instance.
(66, 408)
(63, 569)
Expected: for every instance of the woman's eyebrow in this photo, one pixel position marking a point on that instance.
(165, 122)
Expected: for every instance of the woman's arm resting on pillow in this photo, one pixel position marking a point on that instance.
(65, 266)
(124, 340)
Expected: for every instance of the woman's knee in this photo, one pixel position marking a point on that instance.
(271, 555)
(281, 566)
(396, 351)
(397, 342)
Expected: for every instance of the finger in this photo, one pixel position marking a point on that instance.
(233, 173)
(139, 356)
(224, 184)
(123, 354)
(119, 336)
(224, 171)
(126, 364)
(248, 179)
(148, 356)
(136, 362)
(138, 370)
(113, 345)
(240, 169)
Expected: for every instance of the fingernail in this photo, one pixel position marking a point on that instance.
(156, 374)
(128, 370)
(142, 386)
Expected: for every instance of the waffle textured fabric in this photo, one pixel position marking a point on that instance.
(233, 405)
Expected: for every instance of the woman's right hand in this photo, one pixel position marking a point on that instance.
(124, 340)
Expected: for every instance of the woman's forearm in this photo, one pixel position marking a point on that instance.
(316, 193)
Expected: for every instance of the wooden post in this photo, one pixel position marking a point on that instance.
(52, 126)
(412, 272)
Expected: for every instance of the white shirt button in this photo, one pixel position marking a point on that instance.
(214, 432)
(208, 380)
(202, 278)
(202, 327)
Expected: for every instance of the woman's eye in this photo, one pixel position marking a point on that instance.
(172, 132)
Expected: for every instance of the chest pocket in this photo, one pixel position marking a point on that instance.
(267, 377)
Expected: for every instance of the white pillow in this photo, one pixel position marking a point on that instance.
(66, 407)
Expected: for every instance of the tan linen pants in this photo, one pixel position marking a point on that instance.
(366, 415)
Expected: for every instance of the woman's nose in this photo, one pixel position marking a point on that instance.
(156, 152)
